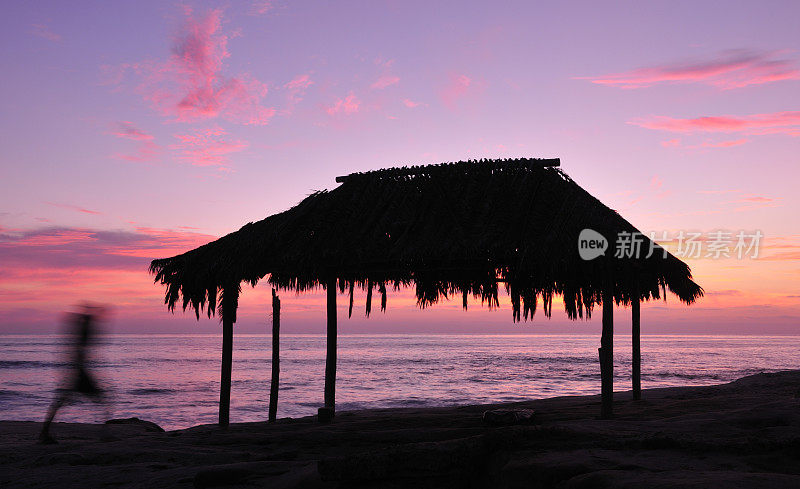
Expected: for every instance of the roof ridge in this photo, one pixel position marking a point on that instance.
(417, 170)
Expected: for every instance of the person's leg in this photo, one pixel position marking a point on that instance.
(102, 400)
(44, 436)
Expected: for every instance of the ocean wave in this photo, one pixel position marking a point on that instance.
(8, 394)
(373, 373)
(314, 404)
(146, 360)
(144, 391)
(31, 364)
(683, 375)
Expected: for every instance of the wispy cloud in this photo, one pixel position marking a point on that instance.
(716, 192)
(782, 256)
(756, 199)
(731, 69)
(456, 88)
(386, 78)
(736, 200)
(208, 147)
(127, 130)
(347, 105)
(145, 150)
(74, 248)
(657, 188)
(748, 202)
(74, 208)
(191, 85)
(43, 31)
(676, 143)
(781, 248)
(385, 81)
(756, 124)
(411, 104)
(727, 292)
(670, 143)
(725, 144)
(261, 7)
(296, 88)
(47, 269)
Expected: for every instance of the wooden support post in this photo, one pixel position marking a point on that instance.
(330, 360)
(636, 350)
(607, 355)
(225, 374)
(276, 357)
(229, 304)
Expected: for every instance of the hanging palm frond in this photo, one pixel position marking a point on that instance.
(445, 229)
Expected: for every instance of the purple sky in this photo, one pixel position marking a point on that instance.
(139, 130)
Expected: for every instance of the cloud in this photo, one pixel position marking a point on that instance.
(347, 105)
(43, 31)
(784, 256)
(726, 292)
(742, 200)
(261, 7)
(82, 248)
(191, 84)
(74, 208)
(127, 130)
(718, 191)
(47, 269)
(296, 88)
(731, 69)
(384, 64)
(745, 201)
(411, 104)
(789, 246)
(656, 183)
(386, 78)
(756, 199)
(455, 89)
(385, 81)
(670, 143)
(146, 150)
(208, 147)
(750, 202)
(725, 144)
(676, 143)
(756, 124)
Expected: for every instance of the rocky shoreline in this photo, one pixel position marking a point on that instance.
(742, 434)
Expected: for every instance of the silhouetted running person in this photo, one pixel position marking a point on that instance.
(78, 380)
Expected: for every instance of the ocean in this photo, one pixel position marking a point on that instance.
(173, 380)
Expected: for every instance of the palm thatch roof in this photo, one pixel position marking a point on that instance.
(462, 229)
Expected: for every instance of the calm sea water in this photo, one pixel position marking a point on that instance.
(173, 380)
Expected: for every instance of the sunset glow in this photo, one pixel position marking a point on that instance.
(143, 130)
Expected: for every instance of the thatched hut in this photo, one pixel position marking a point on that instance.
(457, 229)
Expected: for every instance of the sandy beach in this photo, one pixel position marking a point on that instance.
(742, 434)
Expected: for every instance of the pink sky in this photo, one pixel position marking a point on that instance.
(137, 131)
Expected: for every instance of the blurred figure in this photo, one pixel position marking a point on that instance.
(83, 331)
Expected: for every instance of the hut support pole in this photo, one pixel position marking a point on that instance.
(230, 302)
(330, 360)
(276, 358)
(225, 374)
(607, 356)
(636, 350)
